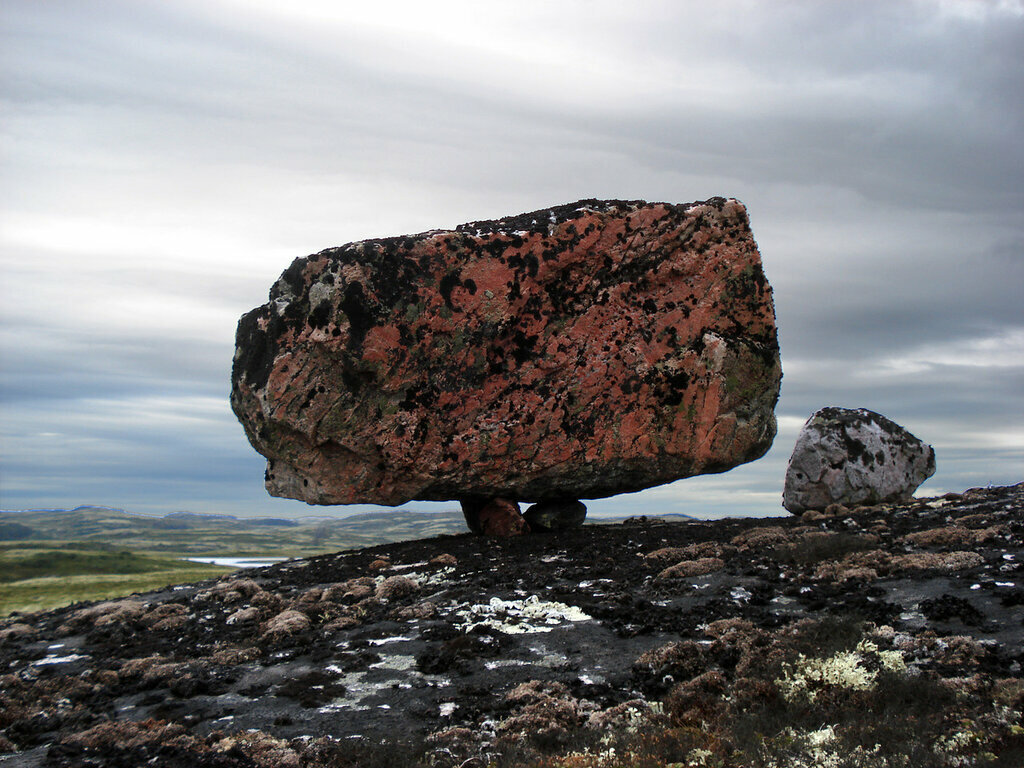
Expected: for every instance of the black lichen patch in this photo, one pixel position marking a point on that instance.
(293, 276)
(747, 285)
(448, 283)
(256, 350)
(673, 386)
(312, 689)
(459, 653)
(947, 607)
(359, 312)
(523, 347)
(320, 316)
(856, 450)
(540, 220)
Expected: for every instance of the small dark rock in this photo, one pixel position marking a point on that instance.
(494, 517)
(948, 607)
(556, 515)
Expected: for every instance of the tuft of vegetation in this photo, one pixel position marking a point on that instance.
(823, 694)
(821, 547)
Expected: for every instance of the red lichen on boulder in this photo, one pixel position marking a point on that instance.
(577, 352)
(494, 517)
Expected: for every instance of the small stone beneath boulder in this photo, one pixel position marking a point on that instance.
(556, 515)
(854, 457)
(494, 517)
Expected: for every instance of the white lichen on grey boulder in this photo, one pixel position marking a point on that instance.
(854, 457)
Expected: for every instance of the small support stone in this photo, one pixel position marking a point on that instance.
(494, 517)
(556, 514)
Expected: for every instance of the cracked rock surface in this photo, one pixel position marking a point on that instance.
(461, 647)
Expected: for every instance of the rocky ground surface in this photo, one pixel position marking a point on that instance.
(890, 635)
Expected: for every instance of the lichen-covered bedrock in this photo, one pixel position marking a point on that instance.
(580, 351)
(854, 457)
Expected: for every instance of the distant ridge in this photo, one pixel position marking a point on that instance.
(197, 516)
(198, 533)
(228, 534)
(64, 509)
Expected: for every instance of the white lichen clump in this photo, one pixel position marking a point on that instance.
(424, 579)
(820, 749)
(854, 670)
(516, 617)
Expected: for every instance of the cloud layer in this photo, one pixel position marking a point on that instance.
(163, 162)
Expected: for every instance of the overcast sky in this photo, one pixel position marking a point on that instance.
(163, 162)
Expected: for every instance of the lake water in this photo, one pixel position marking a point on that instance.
(237, 562)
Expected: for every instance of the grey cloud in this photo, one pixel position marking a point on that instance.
(876, 145)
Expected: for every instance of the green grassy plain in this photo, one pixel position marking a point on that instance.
(51, 558)
(37, 576)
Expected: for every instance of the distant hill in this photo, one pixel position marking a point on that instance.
(15, 532)
(189, 532)
(197, 516)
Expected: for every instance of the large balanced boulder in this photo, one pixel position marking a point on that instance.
(854, 457)
(575, 352)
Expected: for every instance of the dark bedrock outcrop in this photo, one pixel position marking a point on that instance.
(473, 647)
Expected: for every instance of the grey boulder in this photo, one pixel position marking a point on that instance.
(854, 457)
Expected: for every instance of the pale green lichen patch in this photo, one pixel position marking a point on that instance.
(855, 670)
(821, 749)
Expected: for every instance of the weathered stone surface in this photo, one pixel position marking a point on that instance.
(494, 517)
(577, 352)
(854, 457)
(556, 515)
